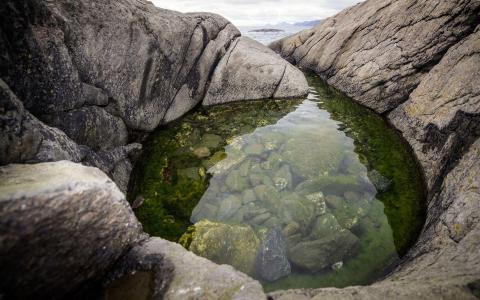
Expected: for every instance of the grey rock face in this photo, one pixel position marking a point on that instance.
(272, 262)
(418, 62)
(61, 225)
(377, 51)
(250, 71)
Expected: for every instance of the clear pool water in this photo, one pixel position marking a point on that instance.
(312, 192)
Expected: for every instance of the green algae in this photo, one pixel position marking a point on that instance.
(296, 165)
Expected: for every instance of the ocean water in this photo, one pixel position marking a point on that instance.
(303, 193)
(267, 37)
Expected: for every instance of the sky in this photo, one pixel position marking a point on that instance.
(260, 12)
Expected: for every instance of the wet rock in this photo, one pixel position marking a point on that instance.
(267, 194)
(318, 200)
(248, 196)
(324, 226)
(291, 229)
(214, 159)
(254, 149)
(272, 222)
(42, 218)
(293, 207)
(334, 201)
(189, 173)
(236, 182)
(254, 211)
(380, 182)
(316, 255)
(329, 185)
(236, 245)
(260, 219)
(204, 211)
(201, 152)
(273, 161)
(260, 179)
(228, 207)
(311, 164)
(337, 266)
(283, 178)
(272, 262)
(210, 141)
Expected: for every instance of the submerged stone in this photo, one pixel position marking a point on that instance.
(283, 178)
(210, 141)
(309, 162)
(201, 152)
(236, 182)
(236, 245)
(228, 207)
(316, 255)
(272, 262)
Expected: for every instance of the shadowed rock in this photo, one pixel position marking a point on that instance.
(62, 225)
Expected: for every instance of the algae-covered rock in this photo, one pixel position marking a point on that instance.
(324, 226)
(295, 208)
(201, 152)
(291, 229)
(190, 173)
(210, 141)
(236, 245)
(214, 159)
(272, 262)
(316, 255)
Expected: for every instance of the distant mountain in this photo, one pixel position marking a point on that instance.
(308, 23)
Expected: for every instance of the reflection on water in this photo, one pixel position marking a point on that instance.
(298, 193)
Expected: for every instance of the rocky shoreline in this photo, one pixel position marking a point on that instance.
(85, 81)
(418, 64)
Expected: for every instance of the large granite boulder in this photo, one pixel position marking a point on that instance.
(62, 226)
(251, 71)
(418, 63)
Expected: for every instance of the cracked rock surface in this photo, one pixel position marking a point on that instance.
(417, 63)
(106, 73)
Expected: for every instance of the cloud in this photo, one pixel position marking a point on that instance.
(253, 12)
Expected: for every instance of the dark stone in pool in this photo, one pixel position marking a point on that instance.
(272, 262)
(316, 255)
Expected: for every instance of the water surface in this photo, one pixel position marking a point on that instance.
(301, 193)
